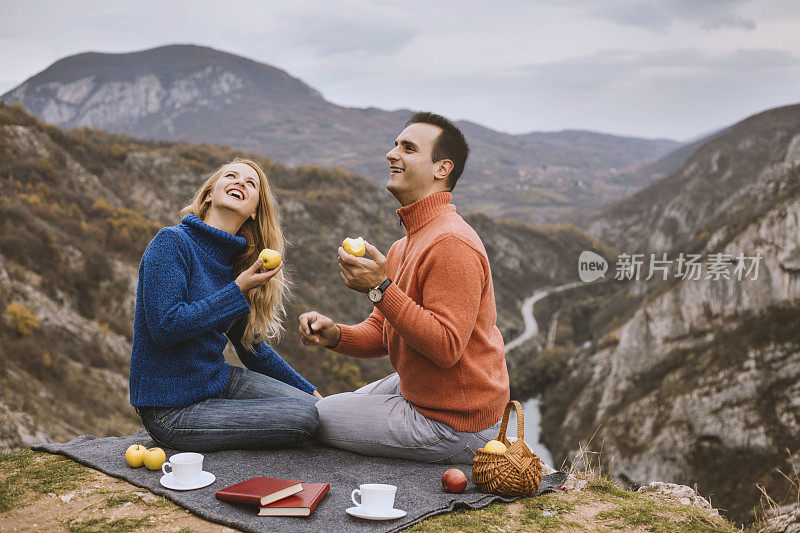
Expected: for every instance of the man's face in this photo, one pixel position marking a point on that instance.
(411, 167)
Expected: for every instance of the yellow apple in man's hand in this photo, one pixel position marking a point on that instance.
(354, 246)
(154, 458)
(271, 258)
(135, 455)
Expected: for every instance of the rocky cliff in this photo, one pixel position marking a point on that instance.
(701, 382)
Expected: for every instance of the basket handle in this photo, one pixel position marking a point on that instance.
(504, 426)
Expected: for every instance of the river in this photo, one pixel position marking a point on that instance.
(530, 408)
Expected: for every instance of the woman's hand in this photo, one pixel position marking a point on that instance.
(318, 330)
(251, 278)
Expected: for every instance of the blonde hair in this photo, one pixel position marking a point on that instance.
(267, 303)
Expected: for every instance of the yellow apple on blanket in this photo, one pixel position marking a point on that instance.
(135, 455)
(271, 258)
(154, 458)
(354, 247)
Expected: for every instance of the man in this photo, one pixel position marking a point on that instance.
(434, 315)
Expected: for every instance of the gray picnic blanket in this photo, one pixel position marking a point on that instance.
(419, 489)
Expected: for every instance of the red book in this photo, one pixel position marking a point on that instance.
(260, 490)
(301, 504)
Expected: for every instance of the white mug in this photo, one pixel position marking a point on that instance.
(186, 467)
(375, 497)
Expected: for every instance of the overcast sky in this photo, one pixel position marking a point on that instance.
(646, 68)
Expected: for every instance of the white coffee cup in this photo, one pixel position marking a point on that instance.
(376, 498)
(186, 467)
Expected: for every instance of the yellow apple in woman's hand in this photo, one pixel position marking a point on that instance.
(154, 458)
(354, 246)
(135, 455)
(271, 258)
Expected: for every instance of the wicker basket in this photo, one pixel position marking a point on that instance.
(517, 472)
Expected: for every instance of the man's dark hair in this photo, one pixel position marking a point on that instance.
(450, 144)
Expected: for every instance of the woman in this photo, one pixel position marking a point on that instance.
(200, 285)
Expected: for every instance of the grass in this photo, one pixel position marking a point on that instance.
(104, 525)
(600, 506)
(620, 510)
(770, 505)
(486, 520)
(604, 485)
(653, 515)
(547, 512)
(121, 498)
(26, 475)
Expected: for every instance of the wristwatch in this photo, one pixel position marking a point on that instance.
(375, 294)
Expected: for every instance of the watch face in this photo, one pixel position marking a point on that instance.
(375, 295)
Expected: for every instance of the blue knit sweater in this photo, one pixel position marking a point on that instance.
(187, 306)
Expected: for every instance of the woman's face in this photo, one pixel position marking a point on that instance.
(236, 190)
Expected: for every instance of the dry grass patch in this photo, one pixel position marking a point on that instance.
(45, 492)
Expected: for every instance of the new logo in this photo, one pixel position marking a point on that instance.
(591, 266)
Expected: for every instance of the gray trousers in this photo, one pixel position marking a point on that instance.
(376, 420)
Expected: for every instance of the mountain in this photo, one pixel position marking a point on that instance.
(728, 179)
(78, 209)
(201, 95)
(694, 380)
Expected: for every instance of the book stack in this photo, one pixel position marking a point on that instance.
(276, 497)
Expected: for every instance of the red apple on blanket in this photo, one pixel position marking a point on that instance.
(454, 480)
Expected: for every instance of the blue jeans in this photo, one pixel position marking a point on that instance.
(254, 411)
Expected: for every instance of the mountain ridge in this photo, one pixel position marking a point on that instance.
(199, 94)
(699, 191)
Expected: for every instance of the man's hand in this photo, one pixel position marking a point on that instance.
(318, 330)
(362, 274)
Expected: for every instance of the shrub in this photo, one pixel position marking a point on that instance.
(20, 318)
(101, 207)
(117, 151)
(46, 169)
(33, 199)
(538, 372)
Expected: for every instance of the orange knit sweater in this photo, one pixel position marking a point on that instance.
(437, 320)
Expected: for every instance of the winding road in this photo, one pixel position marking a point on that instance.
(531, 328)
(530, 407)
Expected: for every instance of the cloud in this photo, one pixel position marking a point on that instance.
(638, 14)
(609, 73)
(658, 16)
(673, 93)
(731, 21)
(342, 32)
